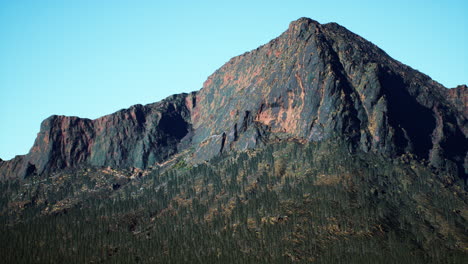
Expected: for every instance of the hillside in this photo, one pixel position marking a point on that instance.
(315, 147)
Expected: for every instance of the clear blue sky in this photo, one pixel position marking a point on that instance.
(91, 58)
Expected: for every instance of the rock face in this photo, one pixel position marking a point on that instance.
(459, 98)
(136, 137)
(317, 81)
(312, 83)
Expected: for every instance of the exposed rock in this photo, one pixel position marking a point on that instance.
(318, 81)
(136, 137)
(459, 98)
(12, 168)
(312, 83)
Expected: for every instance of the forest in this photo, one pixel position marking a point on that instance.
(287, 202)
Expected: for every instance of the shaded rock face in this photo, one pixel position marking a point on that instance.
(312, 83)
(136, 137)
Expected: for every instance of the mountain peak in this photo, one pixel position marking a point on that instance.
(312, 138)
(314, 82)
(303, 21)
(302, 25)
(318, 81)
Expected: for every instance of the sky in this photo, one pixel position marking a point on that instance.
(92, 58)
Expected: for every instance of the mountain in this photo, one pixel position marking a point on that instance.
(316, 81)
(314, 147)
(134, 137)
(311, 83)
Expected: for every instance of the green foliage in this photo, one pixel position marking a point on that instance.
(282, 204)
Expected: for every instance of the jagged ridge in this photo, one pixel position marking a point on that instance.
(136, 137)
(312, 83)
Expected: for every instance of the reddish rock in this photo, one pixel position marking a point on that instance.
(136, 137)
(459, 97)
(320, 81)
(312, 83)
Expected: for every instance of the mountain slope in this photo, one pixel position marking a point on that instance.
(136, 137)
(311, 83)
(316, 147)
(315, 81)
(288, 202)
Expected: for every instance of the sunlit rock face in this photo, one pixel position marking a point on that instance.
(459, 98)
(136, 137)
(314, 82)
(318, 81)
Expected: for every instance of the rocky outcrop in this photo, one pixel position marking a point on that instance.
(319, 81)
(14, 168)
(136, 137)
(314, 82)
(459, 98)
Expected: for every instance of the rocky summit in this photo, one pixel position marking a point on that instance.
(312, 83)
(316, 147)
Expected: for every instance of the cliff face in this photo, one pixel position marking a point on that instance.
(459, 98)
(318, 81)
(312, 83)
(136, 137)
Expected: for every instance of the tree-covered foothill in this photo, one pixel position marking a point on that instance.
(284, 203)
